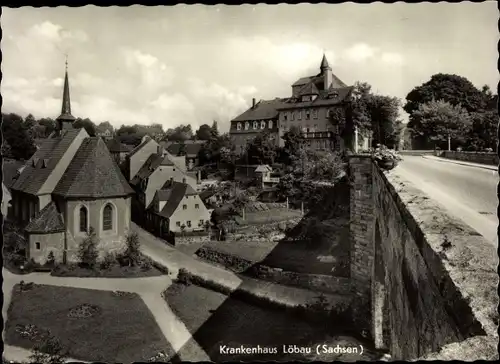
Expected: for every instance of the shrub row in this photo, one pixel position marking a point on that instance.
(229, 261)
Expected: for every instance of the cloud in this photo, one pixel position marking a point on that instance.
(392, 58)
(360, 52)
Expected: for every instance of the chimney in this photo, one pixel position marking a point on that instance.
(253, 103)
(184, 180)
(198, 177)
(158, 150)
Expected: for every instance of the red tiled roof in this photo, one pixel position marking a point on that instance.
(174, 192)
(48, 220)
(265, 109)
(93, 173)
(52, 150)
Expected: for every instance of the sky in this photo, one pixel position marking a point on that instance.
(196, 63)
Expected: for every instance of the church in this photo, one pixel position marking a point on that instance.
(71, 184)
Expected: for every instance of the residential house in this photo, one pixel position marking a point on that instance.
(69, 185)
(118, 150)
(106, 133)
(139, 155)
(154, 173)
(177, 208)
(264, 176)
(189, 149)
(313, 100)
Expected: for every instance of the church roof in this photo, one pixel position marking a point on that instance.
(93, 173)
(42, 163)
(141, 145)
(48, 220)
(265, 109)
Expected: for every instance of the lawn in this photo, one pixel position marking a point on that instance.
(122, 330)
(215, 319)
(268, 216)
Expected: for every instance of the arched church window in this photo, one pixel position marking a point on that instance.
(83, 219)
(107, 217)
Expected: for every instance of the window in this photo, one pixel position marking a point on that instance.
(308, 130)
(178, 223)
(188, 223)
(107, 217)
(308, 114)
(83, 219)
(255, 125)
(262, 124)
(196, 206)
(328, 113)
(238, 126)
(270, 124)
(299, 114)
(315, 113)
(315, 127)
(285, 116)
(184, 207)
(37, 246)
(247, 125)
(202, 222)
(292, 115)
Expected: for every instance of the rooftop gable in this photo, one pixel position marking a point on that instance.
(93, 173)
(48, 220)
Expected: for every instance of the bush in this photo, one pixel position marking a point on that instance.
(87, 251)
(50, 259)
(108, 260)
(132, 253)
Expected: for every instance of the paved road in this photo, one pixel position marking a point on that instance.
(467, 192)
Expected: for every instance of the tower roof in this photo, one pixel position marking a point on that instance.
(324, 62)
(66, 102)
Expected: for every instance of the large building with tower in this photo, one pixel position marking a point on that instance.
(309, 108)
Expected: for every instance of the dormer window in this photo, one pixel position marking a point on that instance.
(35, 162)
(45, 163)
(238, 126)
(270, 124)
(255, 125)
(262, 124)
(247, 125)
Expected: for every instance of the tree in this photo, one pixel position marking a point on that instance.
(293, 144)
(29, 121)
(49, 124)
(323, 166)
(483, 131)
(440, 120)
(87, 124)
(87, 250)
(214, 129)
(16, 135)
(129, 135)
(180, 133)
(132, 252)
(262, 149)
(453, 89)
(204, 132)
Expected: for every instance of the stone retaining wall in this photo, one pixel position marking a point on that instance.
(430, 280)
(489, 158)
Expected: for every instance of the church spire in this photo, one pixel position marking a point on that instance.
(324, 63)
(65, 120)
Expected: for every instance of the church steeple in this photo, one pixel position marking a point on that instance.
(65, 120)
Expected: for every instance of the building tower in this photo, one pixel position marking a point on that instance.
(65, 120)
(326, 72)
